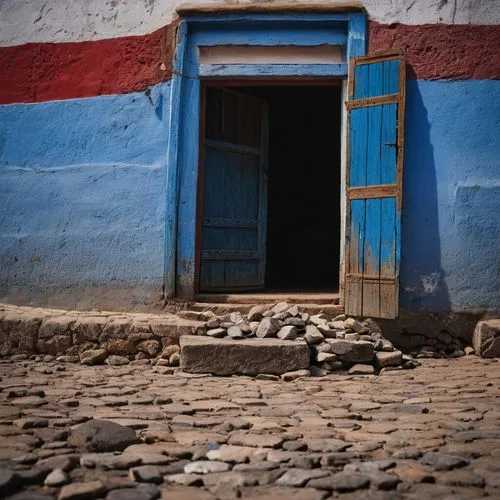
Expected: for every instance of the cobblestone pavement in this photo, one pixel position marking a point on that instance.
(432, 432)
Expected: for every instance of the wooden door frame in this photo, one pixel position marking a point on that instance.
(235, 83)
(196, 29)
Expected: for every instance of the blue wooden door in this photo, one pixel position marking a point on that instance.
(233, 247)
(374, 184)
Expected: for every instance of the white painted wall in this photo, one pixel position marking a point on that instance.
(23, 21)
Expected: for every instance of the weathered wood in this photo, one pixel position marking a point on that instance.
(234, 148)
(363, 193)
(354, 296)
(374, 184)
(232, 254)
(220, 222)
(373, 101)
(225, 8)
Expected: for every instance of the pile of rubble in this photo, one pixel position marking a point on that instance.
(340, 344)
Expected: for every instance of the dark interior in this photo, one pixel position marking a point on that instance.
(303, 226)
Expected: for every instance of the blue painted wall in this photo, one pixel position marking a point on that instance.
(82, 190)
(82, 199)
(451, 203)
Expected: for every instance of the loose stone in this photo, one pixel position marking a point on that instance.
(93, 356)
(268, 327)
(57, 478)
(102, 435)
(299, 477)
(206, 467)
(313, 335)
(341, 482)
(146, 474)
(360, 369)
(442, 461)
(82, 491)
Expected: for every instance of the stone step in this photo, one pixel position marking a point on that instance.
(331, 310)
(271, 298)
(201, 354)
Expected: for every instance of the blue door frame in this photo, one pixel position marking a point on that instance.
(347, 30)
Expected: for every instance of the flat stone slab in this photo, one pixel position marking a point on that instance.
(201, 354)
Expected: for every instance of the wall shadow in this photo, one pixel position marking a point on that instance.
(422, 279)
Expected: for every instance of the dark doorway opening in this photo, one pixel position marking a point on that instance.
(302, 177)
(303, 212)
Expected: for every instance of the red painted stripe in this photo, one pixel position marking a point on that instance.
(47, 71)
(442, 51)
(37, 72)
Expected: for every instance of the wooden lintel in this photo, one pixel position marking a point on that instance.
(269, 8)
(354, 277)
(366, 192)
(373, 101)
(381, 56)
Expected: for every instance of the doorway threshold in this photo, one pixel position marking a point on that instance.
(331, 298)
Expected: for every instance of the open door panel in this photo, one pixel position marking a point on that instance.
(375, 128)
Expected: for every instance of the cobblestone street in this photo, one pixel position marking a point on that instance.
(432, 432)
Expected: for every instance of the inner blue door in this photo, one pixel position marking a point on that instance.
(233, 246)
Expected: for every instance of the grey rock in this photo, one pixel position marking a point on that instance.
(206, 467)
(313, 335)
(327, 332)
(184, 479)
(359, 369)
(247, 356)
(82, 491)
(256, 313)
(141, 492)
(326, 445)
(57, 478)
(486, 338)
(216, 332)
(299, 477)
(442, 461)
(115, 360)
(174, 359)
(356, 352)
(268, 327)
(352, 324)
(150, 347)
(235, 454)
(293, 375)
(31, 495)
(317, 320)
(34, 475)
(287, 333)
(327, 357)
(146, 474)
(109, 461)
(316, 371)
(8, 480)
(384, 359)
(337, 325)
(340, 317)
(342, 482)
(213, 323)
(93, 356)
(280, 307)
(68, 359)
(102, 435)
(351, 336)
(235, 332)
(294, 321)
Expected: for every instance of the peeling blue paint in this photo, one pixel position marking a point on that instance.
(83, 198)
(82, 185)
(451, 202)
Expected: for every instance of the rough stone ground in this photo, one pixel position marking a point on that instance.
(427, 433)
